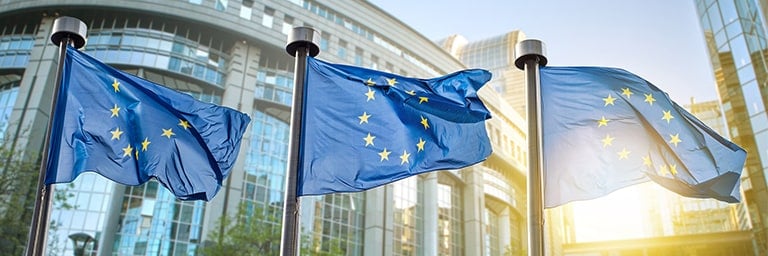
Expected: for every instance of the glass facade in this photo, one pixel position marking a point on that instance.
(735, 33)
(450, 228)
(8, 93)
(407, 211)
(207, 58)
(153, 222)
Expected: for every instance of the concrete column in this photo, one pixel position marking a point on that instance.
(505, 238)
(474, 205)
(430, 214)
(29, 118)
(378, 222)
(239, 89)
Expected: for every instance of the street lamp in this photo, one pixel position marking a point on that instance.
(80, 240)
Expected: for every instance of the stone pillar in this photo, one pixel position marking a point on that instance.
(430, 215)
(239, 87)
(29, 119)
(505, 238)
(474, 205)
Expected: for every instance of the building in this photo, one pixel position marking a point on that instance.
(735, 34)
(232, 53)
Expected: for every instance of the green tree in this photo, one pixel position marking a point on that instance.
(18, 189)
(320, 247)
(252, 231)
(18, 185)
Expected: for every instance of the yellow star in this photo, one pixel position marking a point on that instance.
(137, 154)
(411, 92)
(420, 145)
(674, 139)
(673, 169)
(116, 133)
(649, 98)
(384, 154)
(404, 157)
(370, 95)
(647, 161)
(184, 123)
(144, 144)
(391, 81)
(624, 154)
(114, 111)
(424, 122)
(168, 133)
(609, 100)
(626, 92)
(364, 118)
(116, 85)
(127, 150)
(369, 139)
(663, 170)
(607, 140)
(423, 99)
(602, 122)
(667, 116)
(370, 82)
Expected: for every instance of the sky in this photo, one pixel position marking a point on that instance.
(659, 40)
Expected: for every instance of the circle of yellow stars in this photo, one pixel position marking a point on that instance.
(624, 153)
(369, 139)
(117, 133)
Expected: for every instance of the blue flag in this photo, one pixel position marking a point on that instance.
(129, 130)
(365, 128)
(605, 129)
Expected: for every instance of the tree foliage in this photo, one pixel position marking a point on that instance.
(251, 232)
(257, 232)
(18, 185)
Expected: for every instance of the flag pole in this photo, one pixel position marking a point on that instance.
(66, 31)
(302, 42)
(529, 55)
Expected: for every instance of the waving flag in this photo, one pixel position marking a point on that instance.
(129, 130)
(605, 129)
(365, 128)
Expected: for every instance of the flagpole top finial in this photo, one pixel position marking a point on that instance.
(527, 49)
(303, 37)
(68, 27)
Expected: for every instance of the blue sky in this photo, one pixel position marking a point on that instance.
(657, 39)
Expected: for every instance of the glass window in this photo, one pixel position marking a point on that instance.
(761, 139)
(358, 57)
(760, 123)
(324, 38)
(342, 51)
(728, 10)
(221, 5)
(246, 12)
(268, 17)
(714, 16)
(287, 24)
(196, 1)
(739, 50)
(753, 101)
(733, 29)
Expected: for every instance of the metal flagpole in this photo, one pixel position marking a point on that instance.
(66, 31)
(529, 55)
(302, 42)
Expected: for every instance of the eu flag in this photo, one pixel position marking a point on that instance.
(605, 129)
(365, 128)
(129, 130)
